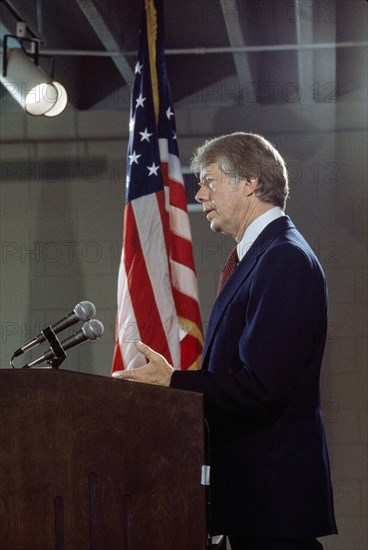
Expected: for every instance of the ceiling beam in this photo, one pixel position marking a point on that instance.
(212, 51)
(17, 16)
(231, 15)
(316, 69)
(304, 35)
(95, 19)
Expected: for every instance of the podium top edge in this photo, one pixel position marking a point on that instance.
(60, 372)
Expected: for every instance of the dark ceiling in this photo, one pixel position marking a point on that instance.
(218, 52)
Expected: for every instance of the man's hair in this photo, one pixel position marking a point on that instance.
(244, 155)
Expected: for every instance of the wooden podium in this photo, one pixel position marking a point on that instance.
(92, 463)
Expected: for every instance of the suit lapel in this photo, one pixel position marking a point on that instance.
(241, 273)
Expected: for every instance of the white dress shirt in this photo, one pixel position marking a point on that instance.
(256, 228)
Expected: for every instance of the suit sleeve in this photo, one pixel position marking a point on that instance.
(283, 327)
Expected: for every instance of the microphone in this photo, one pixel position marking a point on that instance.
(92, 330)
(82, 312)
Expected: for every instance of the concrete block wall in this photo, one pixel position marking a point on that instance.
(61, 197)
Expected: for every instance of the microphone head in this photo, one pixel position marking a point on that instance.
(85, 311)
(93, 329)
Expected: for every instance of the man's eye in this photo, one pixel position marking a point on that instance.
(209, 183)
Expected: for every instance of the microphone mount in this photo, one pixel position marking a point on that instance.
(55, 345)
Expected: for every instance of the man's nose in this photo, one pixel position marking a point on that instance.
(202, 194)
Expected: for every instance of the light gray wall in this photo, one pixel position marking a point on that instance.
(62, 193)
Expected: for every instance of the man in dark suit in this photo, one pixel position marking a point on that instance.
(262, 357)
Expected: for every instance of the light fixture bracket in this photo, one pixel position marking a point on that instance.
(35, 54)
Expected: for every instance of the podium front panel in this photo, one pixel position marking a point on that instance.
(93, 463)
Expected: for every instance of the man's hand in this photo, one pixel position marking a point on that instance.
(157, 371)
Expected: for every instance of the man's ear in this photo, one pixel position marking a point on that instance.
(251, 185)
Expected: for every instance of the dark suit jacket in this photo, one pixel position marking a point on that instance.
(260, 377)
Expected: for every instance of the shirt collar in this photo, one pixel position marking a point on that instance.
(256, 228)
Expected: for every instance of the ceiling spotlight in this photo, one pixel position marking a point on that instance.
(61, 101)
(28, 84)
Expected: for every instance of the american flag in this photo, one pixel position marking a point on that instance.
(157, 285)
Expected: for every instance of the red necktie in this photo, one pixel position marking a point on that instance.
(228, 269)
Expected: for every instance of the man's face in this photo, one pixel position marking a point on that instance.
(223, 200)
